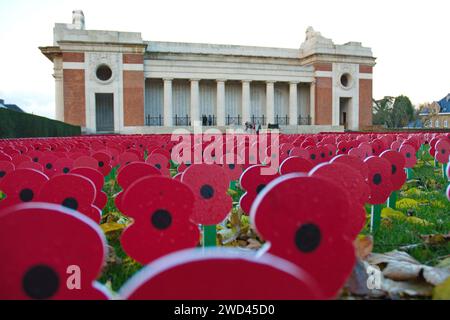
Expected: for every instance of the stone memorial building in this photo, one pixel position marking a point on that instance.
(110, 81)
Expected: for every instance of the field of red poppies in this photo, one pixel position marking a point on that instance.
(320, 216)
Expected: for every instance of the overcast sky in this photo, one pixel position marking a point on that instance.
(411, 39)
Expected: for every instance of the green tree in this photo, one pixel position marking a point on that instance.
(393, 112)
(382, 110)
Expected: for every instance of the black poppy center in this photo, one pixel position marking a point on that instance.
(206, 191)
(26, 195)
(313, 156)
(36, 159)
(376, 178)
(443, 151)
(70, 203)
(158, 166)
(308, 237)
(49, 166)
(2, 174)
(260, 187)
(161, 219)
(394, 169)
(40, 282)
(66, 170)
(344, 149)
(101, 164)
(231, 166)
(322, 155)
(408, 155)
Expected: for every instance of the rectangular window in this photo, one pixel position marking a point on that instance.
(436, 124)
(446, 124)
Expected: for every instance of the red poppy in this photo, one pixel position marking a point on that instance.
(134, 171)
(71, 191)
(103, 162)
(314, 156)
(21, 185)
(295, 164)
(356, 187)
(323, 153)
(299, 152)
(378, 146)
(63, 165)
(354, 162)
(161, 162)
(35, 155)
(253, 182)
(161, 151)
(209, 184)
(46, 244)
(266, 278)
(5, 168)
(343, 147)
(233, 169)
(409, 153)
(396, 145)
(398, 174)
(285, 150)
(183, 166)
(442, 150)
(304, 220)
(85, 161)
(4, 156)
(126, 158)
(432, 144)
(20, 158)
(161, 209)
(379, 179)
(30, 165)
(97, 178)
(131, 173)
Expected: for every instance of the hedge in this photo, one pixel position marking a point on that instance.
(23, 125)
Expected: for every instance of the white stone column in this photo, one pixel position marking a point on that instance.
(293, 105)
(245, 101)
(195, 101)
(168, 113)
(220, 103)
(312, 102)
(59, 88)
(270, 103)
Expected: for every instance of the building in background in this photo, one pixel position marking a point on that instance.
(13, 107)
(109, 81)
(436, 114)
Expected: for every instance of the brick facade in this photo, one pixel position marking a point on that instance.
(73, 56)
(74, 97)
(323, 101)
(133, 98)
(365, 103)
(133, 58)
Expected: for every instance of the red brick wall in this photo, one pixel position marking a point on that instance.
(73, 56)
(133, 98)
(365, 103)
(323, 67)
(133, 58)
(365, 69)
(323, 101)
(74, 97)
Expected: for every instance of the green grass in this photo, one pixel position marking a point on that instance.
(429, 190)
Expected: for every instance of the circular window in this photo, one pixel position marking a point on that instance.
(345, 80)
(104, 73)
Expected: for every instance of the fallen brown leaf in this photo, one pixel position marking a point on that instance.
(363, 246)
